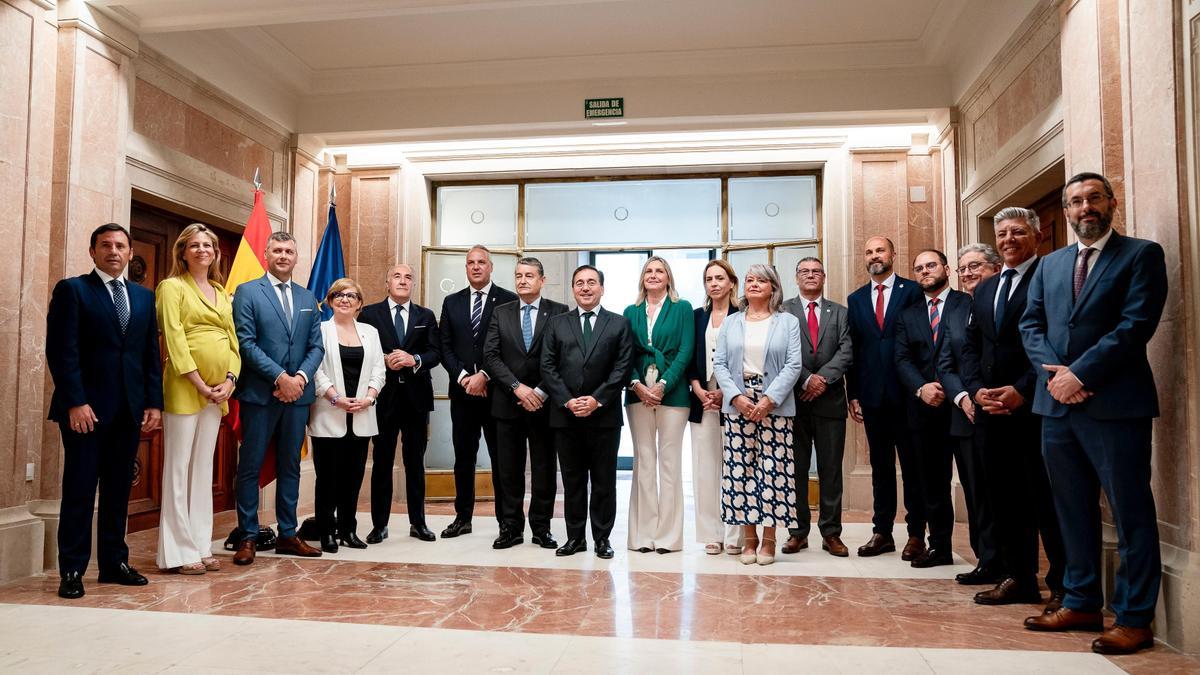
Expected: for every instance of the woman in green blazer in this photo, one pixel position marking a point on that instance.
(657, 404)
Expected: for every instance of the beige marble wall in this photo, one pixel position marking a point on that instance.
(375, 220)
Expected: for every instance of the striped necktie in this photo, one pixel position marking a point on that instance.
(476, 313)
(934, 319)
(121, 303)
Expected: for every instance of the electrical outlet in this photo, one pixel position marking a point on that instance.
(29, 471)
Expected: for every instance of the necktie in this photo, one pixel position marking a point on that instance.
(587, 328)
(1002, 299)
(476, 313)
(1081, 269)
(287, 304)
(400, 323)
(121, 304)
(934, 319)
(527, 326)
(879, 306)
(813, 326)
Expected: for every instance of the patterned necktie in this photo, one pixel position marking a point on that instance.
(879, 306)
(1081, 269)
(121, 304)
(1002, 299)
(287, 304)
(527, 326)
(476, 313)
(400, 323)
(813, 326)
(587, 328)
(934, 319)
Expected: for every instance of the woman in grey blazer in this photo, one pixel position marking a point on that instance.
(757, 363)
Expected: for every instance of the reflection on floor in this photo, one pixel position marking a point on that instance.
(459, 605)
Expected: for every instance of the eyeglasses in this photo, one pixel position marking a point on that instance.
(927, 266)
(1093, 199)
(810, 273)
(345, 295)
(971, 267)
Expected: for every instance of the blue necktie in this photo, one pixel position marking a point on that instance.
(1002, 299)
(527, 326)
(121, 304)
(476, 314)
(287, 305)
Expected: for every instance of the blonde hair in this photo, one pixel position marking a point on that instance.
(671, 292)
(179, 266)
(345, 283)
(728, 269)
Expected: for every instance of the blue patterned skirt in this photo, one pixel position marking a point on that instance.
(758, 483)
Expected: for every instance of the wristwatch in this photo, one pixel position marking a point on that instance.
(231, 377)
(516, 385)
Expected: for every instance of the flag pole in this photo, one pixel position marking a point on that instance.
(257, 182)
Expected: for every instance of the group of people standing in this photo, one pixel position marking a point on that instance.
(1033, 378)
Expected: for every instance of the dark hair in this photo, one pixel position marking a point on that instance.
(1086, 175)
(587, 267)
(941, 256)
(811, 259)
(109, 227)
(280, 235)
(534, 262)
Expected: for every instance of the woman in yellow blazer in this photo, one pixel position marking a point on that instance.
(196, 319)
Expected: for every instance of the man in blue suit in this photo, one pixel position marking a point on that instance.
(102, 350)
(1091, 310)
(279, 334)
(877, 402)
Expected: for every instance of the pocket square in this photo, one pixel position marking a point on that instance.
(416, 327)
(305, 309)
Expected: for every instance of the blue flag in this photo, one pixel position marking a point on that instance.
(329, 265)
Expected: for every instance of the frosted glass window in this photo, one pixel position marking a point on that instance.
(775, 208)
(439, 454)
(687, 268)
(621, 273)
(477, 214)
(785, 263)
(640, 213)
(742, 260)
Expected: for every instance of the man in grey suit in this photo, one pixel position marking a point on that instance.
(820, 406)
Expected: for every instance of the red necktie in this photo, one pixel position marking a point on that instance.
(934, 319)
(879, 306)
(812, 324)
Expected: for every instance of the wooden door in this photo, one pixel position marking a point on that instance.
(1054, 226)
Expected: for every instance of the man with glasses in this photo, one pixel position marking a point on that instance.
(820, 406)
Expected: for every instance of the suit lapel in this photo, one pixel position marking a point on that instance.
(826, 310)
(602, 322)
(1016, 303)
(1111, 250)
(273, 298)
(543, 317)
(894, 307)
(577, 329)
(922, 310)
(104, 298)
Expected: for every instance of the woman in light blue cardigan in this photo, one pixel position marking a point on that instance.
(757, 363)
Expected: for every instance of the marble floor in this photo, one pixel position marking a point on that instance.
(458, 605)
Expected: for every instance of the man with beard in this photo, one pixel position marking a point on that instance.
(1091, 310)
(1000, 379)
(919, 340)
(877, 402)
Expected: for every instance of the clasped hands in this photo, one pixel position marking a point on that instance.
(475, 385)
(651, 397)
(709, 400)
(216, 394)
(351, 404)
(1064, 386)
(398, 358)
(814, 387)
(288, 388)
(527, 398)
(754, 412)
(582, 406)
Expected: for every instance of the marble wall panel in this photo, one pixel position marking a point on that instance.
(303, 222)
(375, 220)
(1081, 86)
(922, 232)
(98, 118)
(1024, 99)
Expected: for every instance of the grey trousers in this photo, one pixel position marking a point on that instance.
(828, 434)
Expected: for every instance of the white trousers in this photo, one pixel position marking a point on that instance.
(656, 499)
(707, 464)
(185, 524)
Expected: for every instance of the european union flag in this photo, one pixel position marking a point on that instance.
(329, 265)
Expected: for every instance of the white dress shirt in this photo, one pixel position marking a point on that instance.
(405, 307)
(286, 291)
(888, 285)
(1098, 246)
(107, 279)
(1022, 270)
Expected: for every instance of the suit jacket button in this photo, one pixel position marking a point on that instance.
(1071, 324)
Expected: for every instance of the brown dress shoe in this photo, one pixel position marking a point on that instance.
(1009, 592)
(915, 548)
(879, 543)
(1067, 619)
(795, 545)
(1123, 640)
(245, 553)
(834, 545)
(296, 546)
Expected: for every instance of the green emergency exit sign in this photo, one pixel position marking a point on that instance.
(599, 108)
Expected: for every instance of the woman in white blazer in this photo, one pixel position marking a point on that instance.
(342, 420)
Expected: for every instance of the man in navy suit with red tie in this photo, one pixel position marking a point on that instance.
(102, 350)
(1091, 310)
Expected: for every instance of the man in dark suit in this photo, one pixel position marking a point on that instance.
(102, 351)
(820, 406)
(1000, 379)
(463, 327)
(1091, 310)
(976, 263)
(279, 335)
(877, 402)
(586, 357)
(512, 356)
(408, 334)
(919, 340)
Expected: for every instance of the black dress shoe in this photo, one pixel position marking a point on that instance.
(933, 557)
(124, 575)
(329, 543)
(456, 528)
(644, 549)
(71, 586)
(979, 576)
(662, 551)
(420, 532)
(603, 550)
(377, 535)
(508, 539)
(351, 539)
(545, 540)
(572, 547)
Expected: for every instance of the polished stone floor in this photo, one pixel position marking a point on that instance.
(458, 605)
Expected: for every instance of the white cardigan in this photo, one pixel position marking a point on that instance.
(329, 421)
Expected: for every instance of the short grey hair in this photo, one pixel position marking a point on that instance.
(989, 253)
(1018, 213)
(764, 271)
(533, 262)
(280, 236)
(809, 259)
(481, 247)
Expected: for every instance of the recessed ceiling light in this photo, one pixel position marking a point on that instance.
(609, 124)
